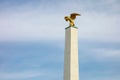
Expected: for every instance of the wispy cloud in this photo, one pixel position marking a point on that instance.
(20, 75)
(103, 54)
(43, 20)
(30, 75)
(28, 22)
(99, 27)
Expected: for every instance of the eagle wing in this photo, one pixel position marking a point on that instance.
(73, 15)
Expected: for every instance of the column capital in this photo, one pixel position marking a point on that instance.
(72, 27)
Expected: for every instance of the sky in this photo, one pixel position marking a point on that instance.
(32, 34)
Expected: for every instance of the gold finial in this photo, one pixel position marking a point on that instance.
(71, 18)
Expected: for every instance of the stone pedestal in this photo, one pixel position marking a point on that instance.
(71, 67)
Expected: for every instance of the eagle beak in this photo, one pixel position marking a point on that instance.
(66, 19)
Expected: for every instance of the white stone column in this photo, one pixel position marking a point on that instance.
(71, 66)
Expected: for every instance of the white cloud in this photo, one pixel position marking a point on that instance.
(105, 54)
(100, 27)
(30, 23)
(20, 75)
(109, 77)
(31, 74)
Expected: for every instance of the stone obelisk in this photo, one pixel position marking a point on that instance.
(71, 66)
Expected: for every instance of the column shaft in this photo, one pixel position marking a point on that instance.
(71, 67)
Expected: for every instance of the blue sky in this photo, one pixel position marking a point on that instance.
(32, 39)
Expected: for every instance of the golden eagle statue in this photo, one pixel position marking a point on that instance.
(71, 18)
